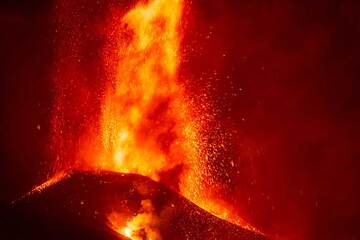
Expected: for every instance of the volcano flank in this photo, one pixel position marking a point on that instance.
(78, 205)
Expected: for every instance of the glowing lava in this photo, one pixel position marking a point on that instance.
(143, 226)
(146, 127)
(147, 124)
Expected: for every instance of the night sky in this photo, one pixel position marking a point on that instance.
(282, 76)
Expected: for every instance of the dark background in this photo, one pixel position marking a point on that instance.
(283, 76)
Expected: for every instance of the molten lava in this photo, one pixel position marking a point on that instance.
(143, 225)
(146, 127)
(147, 123)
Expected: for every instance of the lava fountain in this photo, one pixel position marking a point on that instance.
(146, 126)
(146, 123)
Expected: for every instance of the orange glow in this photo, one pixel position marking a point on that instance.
(51, 181)
(54, 179)
(142, 226)
(147, 123)
(224, 211)
(147, 126)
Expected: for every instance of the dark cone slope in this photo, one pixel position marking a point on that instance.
(79, 205)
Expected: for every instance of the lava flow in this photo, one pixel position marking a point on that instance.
(147, 125)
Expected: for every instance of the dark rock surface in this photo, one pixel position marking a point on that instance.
(78, 206)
